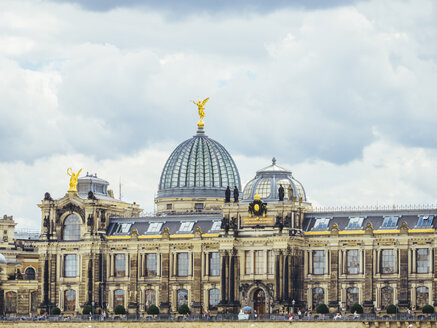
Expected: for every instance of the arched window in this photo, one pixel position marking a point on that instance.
(386, 297)
(150, 297)
(33, 301)
(422, 296)
(69, 300)
(214, 298)
(30, 273)
(351, 296)
(72, 227)
(11, 302)
(182, 297)
(318, 296)
(118, 297)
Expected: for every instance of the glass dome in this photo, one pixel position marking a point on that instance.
(198, 167)
(267, 182)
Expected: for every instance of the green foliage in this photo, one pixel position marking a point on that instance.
(87, 309)
(56, 311)
(391, 309)
(184, 309)
(153, 309)
(119, 309)
(322, 309)
(428, 309)
(356, 307)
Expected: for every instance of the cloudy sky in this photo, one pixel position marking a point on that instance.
(343, 93)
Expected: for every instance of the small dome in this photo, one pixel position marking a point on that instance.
(198, 167)
(2, 259)
(267, 182)
(92, 183)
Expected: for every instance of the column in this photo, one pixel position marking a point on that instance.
(232, 277)
(223, 258)
(277, 274)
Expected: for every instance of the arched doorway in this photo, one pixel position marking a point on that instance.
(259, 301)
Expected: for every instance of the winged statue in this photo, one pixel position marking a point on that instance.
(200, 106)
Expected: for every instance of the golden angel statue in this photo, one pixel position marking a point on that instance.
(73, 179)
(200, 106)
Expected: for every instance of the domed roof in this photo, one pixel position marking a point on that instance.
(2, 259)
(267, 182)
(198, 167)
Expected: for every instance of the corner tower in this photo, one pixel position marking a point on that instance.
(195, 176)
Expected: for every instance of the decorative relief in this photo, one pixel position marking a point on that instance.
(70, 208)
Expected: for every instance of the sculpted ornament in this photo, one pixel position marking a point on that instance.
(73, 179)
(200, 107)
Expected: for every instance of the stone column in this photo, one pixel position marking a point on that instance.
(277, 275)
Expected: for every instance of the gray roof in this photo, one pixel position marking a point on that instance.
(198, 167)
(172, 222)
(376, 218)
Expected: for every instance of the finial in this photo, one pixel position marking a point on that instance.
(274, 161)
(200, 106)
(257, 197)
(73, 179)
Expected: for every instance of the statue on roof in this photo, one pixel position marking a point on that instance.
(73, 179)
(290, 192)
(281, 192)
(228, 195)
(236, 194)
(200, 107)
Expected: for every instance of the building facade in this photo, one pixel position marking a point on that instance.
(216, 247)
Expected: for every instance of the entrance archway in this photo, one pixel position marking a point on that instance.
(259, 301)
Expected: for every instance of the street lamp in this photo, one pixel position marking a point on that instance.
(292, 305)
(397, 304)
(92, 309)
(339, 306)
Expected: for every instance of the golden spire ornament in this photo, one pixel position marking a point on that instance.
(73, 179)
(200, 106)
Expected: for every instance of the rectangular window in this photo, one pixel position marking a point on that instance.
(387, 261)
(425, 220)
(214, 264)
(198, 207)
(182, 264)
(169, 206)
(70, 265)
(422, 260)
(155, 227)
(355, 223)
(390, 222)
(120, 265)
(259, 262)
(321, 224)
(216, 226)
(186, 226)
(248, 262)
(270, 262)
(151, 265)
(318, 262)
(353, 261)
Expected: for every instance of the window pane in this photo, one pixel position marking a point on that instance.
(248, 262)
(151, 265)
(118, 297)
(259, 262)
(318, 262)
(214, 264)
(182, 297)
(422, 296)
(72, 227)
(387, 261)
(386, 296)
(30, 274)
(390, 222)
(321, 224)
(355, 223)
(120, 265)
(352, 296)
(70, 265)
(270, 262)
(11, 302)
(186, 226)
(422, 260)
(353, 261)
(214, 298)
(150, 297)
(318, 296)
(182, 264)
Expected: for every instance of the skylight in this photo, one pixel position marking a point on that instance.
(390, 222)
(321, 224)
(186, 226)
(155, 227)
(216, 225)
(425, 220)
(355, 223)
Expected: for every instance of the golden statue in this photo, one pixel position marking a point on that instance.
(73, 179)
(200, 106)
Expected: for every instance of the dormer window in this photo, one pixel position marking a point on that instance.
(155, 227)
(321, 224)
(425, 220)
(123, 227)
(390, 222)
(355, 223)
(216, 226)
(186, 226)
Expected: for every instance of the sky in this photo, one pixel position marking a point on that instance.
(342, 93)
